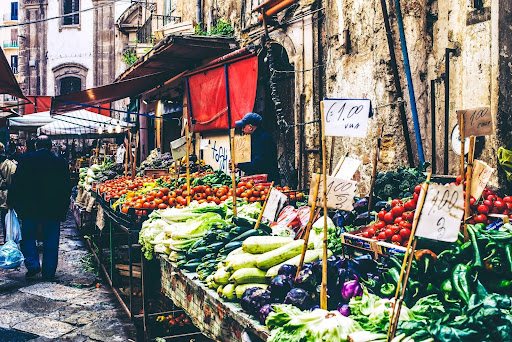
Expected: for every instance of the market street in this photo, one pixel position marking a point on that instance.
(70, 309)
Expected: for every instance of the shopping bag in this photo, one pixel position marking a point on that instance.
(505, 160)
(13, 230)
(10, 255)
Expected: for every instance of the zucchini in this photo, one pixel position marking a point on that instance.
(226, 236)
(243, 222)
(221, 276)
(214, 247)
(311, 255)
(199, 252)
(191, 266)
(196, 244)
(277, 256)
(219, 290)
(240, 289)
(266, 229)
(229, 292)
(242, 261)
(230, 247)
(249, 233)
(248, 275)
(208, 257)
(239, 230)
(263, 244)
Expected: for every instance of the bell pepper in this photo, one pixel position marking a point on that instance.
(447, 289)
(474, 243)
(460, 281)
(425, 258)
(388, 289)
(508, 255)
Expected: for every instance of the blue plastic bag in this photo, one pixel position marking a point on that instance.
(10, 255)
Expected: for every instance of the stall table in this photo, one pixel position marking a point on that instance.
(216, 318)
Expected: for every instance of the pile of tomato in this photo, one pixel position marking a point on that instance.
(395, 225)
(292, 195)
(115, 188)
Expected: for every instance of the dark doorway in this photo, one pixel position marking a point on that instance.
(284, 78)
(70, 85)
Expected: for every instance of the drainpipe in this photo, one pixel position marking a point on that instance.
(198, 12)
(446, 106)
(407, 67)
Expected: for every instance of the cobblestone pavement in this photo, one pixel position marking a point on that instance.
(71, 308)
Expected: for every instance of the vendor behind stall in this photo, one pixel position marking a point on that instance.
(263, 149)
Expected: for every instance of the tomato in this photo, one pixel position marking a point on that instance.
(159, 194)
(398, 219)
(381, 214)
(415, 196)
(482, 209)
(300, 196)
(216, 200)
(509, 205)
(252, 199)
(507, 199)
(138, 212)
(208, 191)
(472, 203)
(491, 198)
(178, 192)
(396, 238)
(409, 216)
(480, 218)
(256, 193)
(366, 235)
(405, 233)
(417, 189)
(395, 202)
(199, 188)
(138, 205)
(379, 225)
(500, 205)
(197, 196)
(152, 205)
(223, 198)
(165, 198)
(410, 205)
(262, 197)
(398, 211)
(371, 231)
(162, 206)
(286, 188)
(241, 184)
(382, 236)
(158, 201)
(292, 197)
(165, 191)
(150, 198)
(124, 209)
(458, 179)
(146, 205)
(405, 224)
(389, 233)
(388, 218)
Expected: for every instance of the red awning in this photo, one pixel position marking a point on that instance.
(39, 104)
(208, 106)
(106, 94)
(8, 83)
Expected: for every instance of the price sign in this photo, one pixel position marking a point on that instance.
(477, 121)
(203, 145)
(242, 151)
(348, 168)
(442, 213)
(481, 174)
(179, 148)
(340, 193)
(346, 118)
(275, 202)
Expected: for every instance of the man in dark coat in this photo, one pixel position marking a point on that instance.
(263, 149)
(44, 176)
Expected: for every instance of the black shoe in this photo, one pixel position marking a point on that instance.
(48, 278)
(32, 273)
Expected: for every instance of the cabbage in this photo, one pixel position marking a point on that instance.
(293, 325)
(150, 234)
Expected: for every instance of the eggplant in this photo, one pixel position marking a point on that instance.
(362, 265)
(246, 298)
(299, 298)
(279, 287)
(361, 205)
(382, 205)
(257, 299)
(344, 309)
(307, 279)
(264, 312)
(288, 270)
(351, 289)
(363, 219)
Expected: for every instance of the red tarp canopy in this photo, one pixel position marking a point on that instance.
(39, 104)
(208, 105)
(8, 83)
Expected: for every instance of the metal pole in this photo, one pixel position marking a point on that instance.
(398, 86)
(407, 67)
(226, 74)
(433, 124)
(446, 106)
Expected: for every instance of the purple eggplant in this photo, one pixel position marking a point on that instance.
(307, 279)
(257, 300)
(246, 298)
(288, 270)
(361, 205)
(279, 287)
(299, 298)
(351, 289)
(264, 312)
(344, 309)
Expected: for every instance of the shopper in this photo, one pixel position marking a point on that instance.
(263, 149)
(7, 169)
(30, 146)
(46, 175)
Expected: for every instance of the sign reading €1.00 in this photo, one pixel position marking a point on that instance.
(242, 149)
(477, 121)
(346, 117)
(340, 193)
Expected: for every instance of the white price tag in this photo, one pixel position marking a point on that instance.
(481, 174)
(442, 213)
(204, 144)
(340, 193)
(348, 168)
(275, 202)
(346, 118)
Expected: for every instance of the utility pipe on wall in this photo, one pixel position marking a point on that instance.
(198, 12)
(446, 107)
(407, 67)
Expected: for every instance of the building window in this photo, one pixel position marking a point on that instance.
(14, 10)
(70, 85)
(71, 6)
(14, 64)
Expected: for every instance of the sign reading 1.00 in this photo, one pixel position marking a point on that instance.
(346, 117)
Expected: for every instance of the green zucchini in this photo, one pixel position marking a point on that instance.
(243, 236)
(248, 275)
(198, 252)
(214, 247)
(226, 236)
(243, 222)
(265, 228)
(230, 247)
(191, 266)
(239, 230)
(208, 257)
(277, 256)
(263, 244)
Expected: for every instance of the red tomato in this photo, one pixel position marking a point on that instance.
(417, 189)
(500, 205)
(405, 224)
(491, 198)
(489, 203)
(480, 218)
(509, 205)
(389, 218)
(389, 233)
(398, 211)
(371, 232)
(398, 219)
(159, 194)
(415, 196)
(507, 199)
(379, 225)
(458, 179)
(366, 235)
(410, 205)
(381, 214)
(482, 209)
(162, 206)
(408, 216)
(396, 238)
(150, 198)
(395, 202)
(405, 233)
(382, 236)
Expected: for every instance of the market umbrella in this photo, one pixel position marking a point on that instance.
(31, 121)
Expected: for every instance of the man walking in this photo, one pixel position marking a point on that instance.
(7, 169)
(43, 176)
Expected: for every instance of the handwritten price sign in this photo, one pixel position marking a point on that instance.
(442, 213)
(242, 150)
(179, 148)
(477, 121)
(340, 193)
(346, 118)
(481, 174)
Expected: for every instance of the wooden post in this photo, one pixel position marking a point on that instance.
(130, 154)
(187, 160)
(331, 156)
(469, 177)
(337, 169)
(462, 138)
(177, 168)
(310, 223)
(257, 225)
(323, 291)
(127, 150)
(134, 165)
(233, 175)
(374, 171)
(406, 264)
